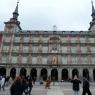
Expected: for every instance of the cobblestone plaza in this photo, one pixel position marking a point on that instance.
(57, 89)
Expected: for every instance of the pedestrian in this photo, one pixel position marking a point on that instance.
(48, 81)
(3, 83)
(30, 84)
(34, 79)
(86, 87)
(16, 88)
(0, 81)
(76, 83)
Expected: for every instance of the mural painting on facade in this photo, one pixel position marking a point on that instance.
(54, 59)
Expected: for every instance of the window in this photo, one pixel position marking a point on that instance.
(74, 60)
(82, 40)
(5, 48)
(93, 49)
(26, 39)
(44, 60)
(64, 60)
(91, 40)
(5, 59)
(17, 39)
(34, 49)
(16, 48)
(35, 39)
(83, 49)
(84, 60)
(64, 39)
(45, 49)
(24, 59)
(64, 49)
(34, 60)
(74, 49)
(73, 40)
(25, 48)
(7, 39)
(93, 60)
(14, 59)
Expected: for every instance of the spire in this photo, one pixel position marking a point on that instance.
(93, 11)
(92, 23)
(15, 13)
(92, 6)
(14, 20)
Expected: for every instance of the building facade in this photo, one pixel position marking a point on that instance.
(56, 54)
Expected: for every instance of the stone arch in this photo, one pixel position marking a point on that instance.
(86, 73)
(33, 73)
(94, 75)
(13, 73)
(44, 74)
(3, 71)
(23, 72)
(65, 74)
(75, 72)
(54, 74)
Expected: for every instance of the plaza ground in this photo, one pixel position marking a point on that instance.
(56, 89)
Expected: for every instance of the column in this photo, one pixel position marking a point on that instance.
(70, 73)
(28, 71)
(38, 74)
(59, 74)
(80, 73)
(49, 72)
(17, 71)
(7, 71)
(91, 74)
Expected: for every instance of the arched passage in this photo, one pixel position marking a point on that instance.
(75, 72)
(54, 74)
(13, 73)
(33, 73)
(86, 73)
(3, 71)
(44, 74)
(65, 74)
(23, 72)
(94, 74)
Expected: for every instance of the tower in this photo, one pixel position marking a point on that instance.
(13, 25)
(92, 23)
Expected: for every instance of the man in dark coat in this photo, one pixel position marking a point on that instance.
(86, 87)
(76, 83)
(16, 87)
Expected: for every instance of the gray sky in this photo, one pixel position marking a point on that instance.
(43, 14)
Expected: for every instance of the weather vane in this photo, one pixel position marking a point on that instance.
(92, 1)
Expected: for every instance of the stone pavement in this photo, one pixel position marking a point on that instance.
(57, 89)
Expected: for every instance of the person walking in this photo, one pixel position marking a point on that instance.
(3, 83)
(16, 88)
(48, 82)
(76, 83)
(30, 85)
(0, 81)
(86, 87)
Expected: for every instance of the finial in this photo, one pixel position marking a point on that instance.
(91, 1)
(18, 1)
(15, 13)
